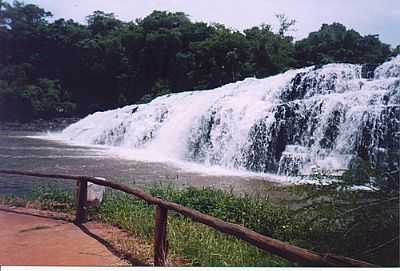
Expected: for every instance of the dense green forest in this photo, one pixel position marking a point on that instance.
(54, 68)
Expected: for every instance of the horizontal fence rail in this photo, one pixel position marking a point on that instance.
(273, 246)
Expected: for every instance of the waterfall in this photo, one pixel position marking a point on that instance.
(288, 124)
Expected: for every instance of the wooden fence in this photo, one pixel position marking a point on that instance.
(268, 244)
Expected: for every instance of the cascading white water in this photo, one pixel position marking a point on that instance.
(286, 124)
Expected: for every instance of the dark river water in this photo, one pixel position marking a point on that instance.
(19, 151)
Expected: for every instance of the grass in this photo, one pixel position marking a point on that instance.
(200, 244)
(316, 226)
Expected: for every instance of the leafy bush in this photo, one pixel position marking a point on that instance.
(26, 101)
(361, 212)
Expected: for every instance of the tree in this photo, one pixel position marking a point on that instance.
(221, 58)
(270, 53)
(20, 16)
(101, 23)
(108, 63)
(285, 24)
(163, 19)
(334, 43)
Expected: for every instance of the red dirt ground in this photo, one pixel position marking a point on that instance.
(29, 238)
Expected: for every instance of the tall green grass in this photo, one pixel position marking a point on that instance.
(332, 222)
(200, 244)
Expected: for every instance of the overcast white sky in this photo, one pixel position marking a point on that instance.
(366, 16)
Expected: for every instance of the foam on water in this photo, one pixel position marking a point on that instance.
(288, 124)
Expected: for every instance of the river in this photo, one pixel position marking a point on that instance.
(22, 150)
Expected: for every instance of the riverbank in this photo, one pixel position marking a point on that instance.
(319, 227)
(39, 125)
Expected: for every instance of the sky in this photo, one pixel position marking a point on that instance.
(365, 16)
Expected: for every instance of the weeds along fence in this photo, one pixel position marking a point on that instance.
(292, 253)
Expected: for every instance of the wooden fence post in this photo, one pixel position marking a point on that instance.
(274, 246)
(160, 236)
(81, 208)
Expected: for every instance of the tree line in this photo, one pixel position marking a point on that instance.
(53, 68)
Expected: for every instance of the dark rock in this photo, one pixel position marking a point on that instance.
(367, 71)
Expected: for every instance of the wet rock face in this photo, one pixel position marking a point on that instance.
(324, 80)
(297, 88)
(291, 163)
(270, 140)
(368, 71)
(200, 141)
(316, 117)
(261, 155)
(307, 121)
(380, 136)
(293, 123)
(112, 137)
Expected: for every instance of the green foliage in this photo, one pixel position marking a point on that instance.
(163, 20)
(108, 63)
(126, 211)
(285, 24)
(19, 16)
(271, 53)
(338, 219)
(100, 23)
(364, 207)
(41, 98)
(334, 218)
(202, 245)
(335, 43)
(55, 199)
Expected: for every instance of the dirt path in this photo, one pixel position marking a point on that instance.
(28, 238)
